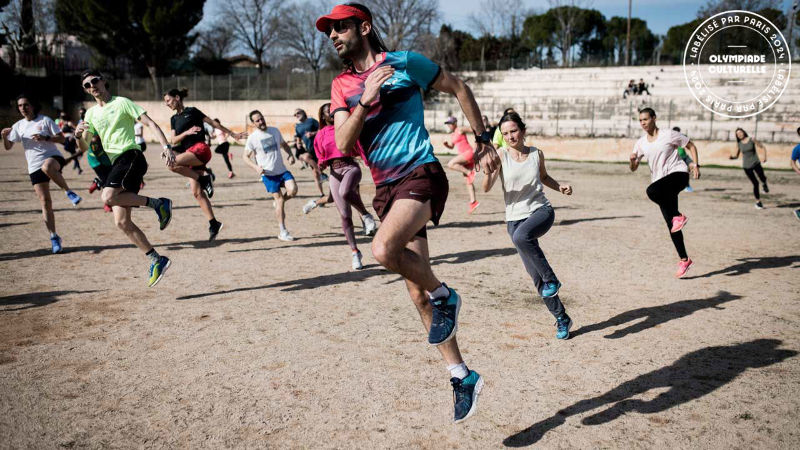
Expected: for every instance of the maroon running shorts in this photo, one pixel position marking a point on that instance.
(426, 182)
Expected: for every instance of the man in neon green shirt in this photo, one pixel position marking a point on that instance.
(112, 119)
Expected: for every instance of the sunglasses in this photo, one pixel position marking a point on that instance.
(92, 82)
(340, 26)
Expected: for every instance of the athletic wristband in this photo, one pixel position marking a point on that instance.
(167, 147)
(363, 105)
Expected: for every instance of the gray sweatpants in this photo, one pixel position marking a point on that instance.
(525, 234)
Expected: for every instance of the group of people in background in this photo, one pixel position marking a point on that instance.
(634, 88)
(375, 114)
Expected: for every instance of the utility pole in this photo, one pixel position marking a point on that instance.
(628, 38)
(792, 18)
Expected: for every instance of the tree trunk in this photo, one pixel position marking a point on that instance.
(259, 56)
(151, 70)
(316, 79)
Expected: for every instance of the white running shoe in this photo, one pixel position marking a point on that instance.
(285, 236)
(309, 206)
(357, 261)
(369, 225)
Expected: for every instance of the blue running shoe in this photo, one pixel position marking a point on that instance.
(74, 198)
(56, 243)
(157, 270)
(563, 325)
(551, 289)
(164, 212)
(689, 189)
(445, 318)
(465, 395)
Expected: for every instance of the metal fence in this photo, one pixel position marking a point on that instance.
(619, 118)
(269, 85)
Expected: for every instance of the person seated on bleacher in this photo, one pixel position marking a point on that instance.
(630, 90)
(643, 87)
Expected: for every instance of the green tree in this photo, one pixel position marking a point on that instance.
(148, 32)
(537, 35)
(676, 40)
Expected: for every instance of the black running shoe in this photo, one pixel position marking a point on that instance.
(207, 185)
(211, 174)
(213, 231)
(766, 188)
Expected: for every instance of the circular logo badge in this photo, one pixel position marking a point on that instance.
(737, 64)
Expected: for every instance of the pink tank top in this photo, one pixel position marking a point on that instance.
(460, 143)
(326, 149)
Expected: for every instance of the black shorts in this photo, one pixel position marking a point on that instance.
(143, 146)
(128, 171)
(40, 177)
(424, 183)
(222, 148)
(102, 174)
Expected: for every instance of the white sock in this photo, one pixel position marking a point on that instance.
(282, 227)
(459, 371)
(53, 235)
(441, 291)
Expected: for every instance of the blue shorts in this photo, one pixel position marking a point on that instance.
(273, 183)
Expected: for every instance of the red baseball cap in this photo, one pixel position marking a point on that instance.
(340, 12)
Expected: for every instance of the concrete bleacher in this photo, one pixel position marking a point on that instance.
(589, 102)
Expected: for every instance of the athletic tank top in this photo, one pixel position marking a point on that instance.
(522, 188)
(749, 155)
(461, 144)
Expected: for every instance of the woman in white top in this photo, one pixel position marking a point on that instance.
(669, 175)
(39, 135)
(528, 212)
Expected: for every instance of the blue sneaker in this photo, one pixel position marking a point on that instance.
(689, 189)
(445, 318)
(157, 270)
(56, 243)
(551, 289)
(164, 212)
(465, 395)
(74, 198)
(563, 325)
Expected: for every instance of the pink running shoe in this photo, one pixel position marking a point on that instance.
(683, 267)
(106, 208)
(471, 177)
(473, 206)
(678, 222)
(231, 174)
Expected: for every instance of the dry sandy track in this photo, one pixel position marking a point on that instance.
(254, 342)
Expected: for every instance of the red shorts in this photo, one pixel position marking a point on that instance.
(426, 182)
(202, 151)
(469, 155)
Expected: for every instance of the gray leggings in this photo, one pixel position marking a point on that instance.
(525, 234)
(344, 188)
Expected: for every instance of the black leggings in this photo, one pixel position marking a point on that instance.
(222, 149)
(664, 192)
(751, 174)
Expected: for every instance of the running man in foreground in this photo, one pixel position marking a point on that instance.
(112, 118)
(39, 135)
(377, 101)
(265, 142)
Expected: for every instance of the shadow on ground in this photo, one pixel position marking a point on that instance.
(656, 315)
(694, 375)
(34, 299)
(747, 264)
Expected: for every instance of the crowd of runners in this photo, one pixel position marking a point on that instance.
(375, 115)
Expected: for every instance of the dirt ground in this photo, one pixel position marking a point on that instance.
(253, 342)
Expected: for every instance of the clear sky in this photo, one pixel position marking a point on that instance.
(660, 15)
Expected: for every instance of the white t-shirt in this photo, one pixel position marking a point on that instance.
(662, 154)
(138, 131)
(36, 152)
(267, 146)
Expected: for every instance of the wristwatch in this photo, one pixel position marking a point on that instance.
(167, 147)
(483, 138)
